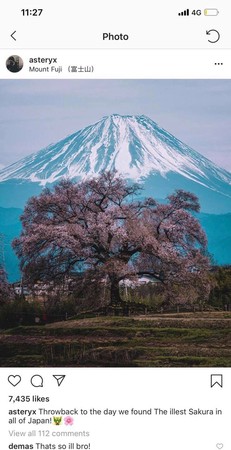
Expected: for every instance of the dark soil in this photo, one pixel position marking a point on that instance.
(169, 340)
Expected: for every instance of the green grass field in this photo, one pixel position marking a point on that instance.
(169, 340)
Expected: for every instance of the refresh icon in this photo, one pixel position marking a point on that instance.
(214, 35)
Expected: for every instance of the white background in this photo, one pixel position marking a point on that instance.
(149, 24)
(125, 64)
(121, 388)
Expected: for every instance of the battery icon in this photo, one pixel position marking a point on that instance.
(211, 12)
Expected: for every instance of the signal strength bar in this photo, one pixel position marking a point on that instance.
(184, 13)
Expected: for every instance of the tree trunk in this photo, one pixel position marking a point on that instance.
(115, 291)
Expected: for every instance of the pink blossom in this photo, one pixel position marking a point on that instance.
(68, 420)
(101, 229)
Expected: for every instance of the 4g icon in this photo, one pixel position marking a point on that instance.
(196, 12)
(186, 12)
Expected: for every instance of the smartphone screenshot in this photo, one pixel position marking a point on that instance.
(115, 225)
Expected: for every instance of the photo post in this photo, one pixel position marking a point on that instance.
(114, 223)
(115, 231)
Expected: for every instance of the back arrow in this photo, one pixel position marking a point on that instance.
(12, 35)
(217, 37)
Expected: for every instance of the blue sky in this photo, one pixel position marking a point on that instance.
(35, 113)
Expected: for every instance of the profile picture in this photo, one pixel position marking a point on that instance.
(14, 63)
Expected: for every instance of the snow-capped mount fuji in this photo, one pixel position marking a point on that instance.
(139, 150)
(133, 145)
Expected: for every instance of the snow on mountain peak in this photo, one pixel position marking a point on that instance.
(134, 145)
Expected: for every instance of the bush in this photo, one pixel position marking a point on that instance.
(19, 312)
(60, 309)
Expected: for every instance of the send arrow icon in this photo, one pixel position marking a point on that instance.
(59, 378)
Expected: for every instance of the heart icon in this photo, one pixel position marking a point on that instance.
(14, 379)
(219, 446)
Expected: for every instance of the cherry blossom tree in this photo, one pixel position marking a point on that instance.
(101, 230)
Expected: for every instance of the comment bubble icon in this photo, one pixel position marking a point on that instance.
(37, 381)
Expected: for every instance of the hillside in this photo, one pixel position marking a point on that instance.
(169, 340)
